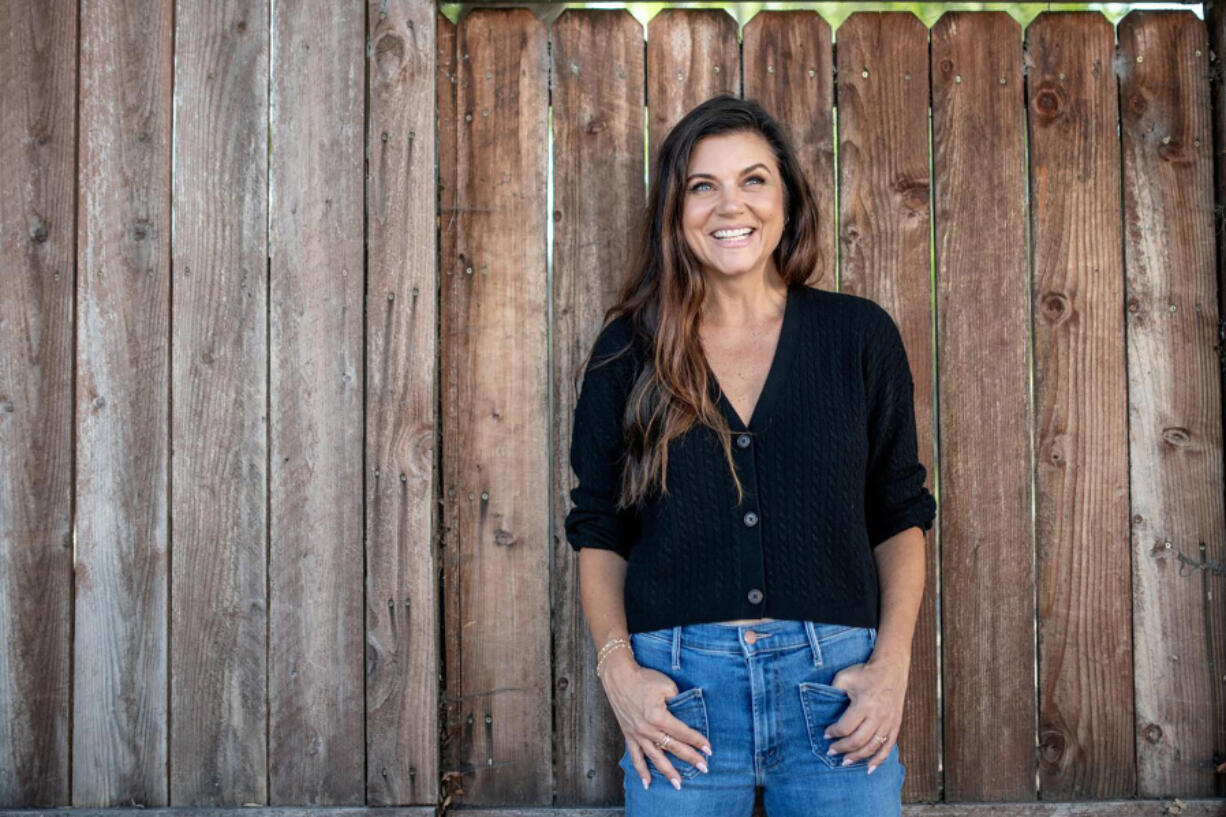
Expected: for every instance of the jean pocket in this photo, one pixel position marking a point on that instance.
(824, 704)
(690, 708)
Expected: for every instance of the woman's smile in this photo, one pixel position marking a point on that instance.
(735, 241)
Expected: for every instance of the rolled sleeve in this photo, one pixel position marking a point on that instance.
(597, 450)
(894, 494)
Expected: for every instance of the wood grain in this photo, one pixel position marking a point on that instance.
(38, 80)
(451, 780)
(120, 645)
(692, 55)
(987, 551)
(598, 139)
(1174, 403)
(219, 405)
(316, 209)
(788, 70)
(494, 342)
(1081, 425)
(884, 225)
(402, 650)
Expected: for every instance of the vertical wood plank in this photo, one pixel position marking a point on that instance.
(402, 658)
(451, 778)
(788, 70)
(1174, 403)
(692, 55)
(1081, 425)
(987, 555)
(119, 740)
(598, 84)
(316, 747)
(884, 235)
(219, 343)
(38, 80)
(494, 325)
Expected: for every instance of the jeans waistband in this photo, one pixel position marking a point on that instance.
(768, 636)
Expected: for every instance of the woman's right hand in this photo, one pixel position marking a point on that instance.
(637, 695)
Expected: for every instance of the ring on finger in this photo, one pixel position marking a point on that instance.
(662, 743)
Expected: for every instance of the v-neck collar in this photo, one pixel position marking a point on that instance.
(785, 350)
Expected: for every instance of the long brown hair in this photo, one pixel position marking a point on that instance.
(664, 289)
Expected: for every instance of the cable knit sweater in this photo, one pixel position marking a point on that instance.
(828, 465)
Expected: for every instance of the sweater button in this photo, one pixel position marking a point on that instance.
(751, 519)
(743, 441)
(755, 596)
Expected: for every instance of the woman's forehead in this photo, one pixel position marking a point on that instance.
(730, 153)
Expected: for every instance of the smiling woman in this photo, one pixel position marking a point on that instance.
(710, 582)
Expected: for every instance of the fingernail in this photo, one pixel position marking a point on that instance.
(707, 749)
(846, 760)
(645, 784)
(832, 751)
(702, 766)
(826, 734)
(676, 784)
(870, 769)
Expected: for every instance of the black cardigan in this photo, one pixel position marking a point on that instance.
(828, 464)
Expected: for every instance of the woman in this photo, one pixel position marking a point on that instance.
(752, 584)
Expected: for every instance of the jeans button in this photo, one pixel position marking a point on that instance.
(751, 519)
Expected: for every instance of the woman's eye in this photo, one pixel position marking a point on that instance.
(700, 185)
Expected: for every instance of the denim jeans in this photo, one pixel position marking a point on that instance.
(764, 707)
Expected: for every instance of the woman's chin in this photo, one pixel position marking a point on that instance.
(732, 270)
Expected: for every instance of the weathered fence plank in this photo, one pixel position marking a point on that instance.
(494, 341)
(451, 780)
(1174, 403)
(598, 83)
(219, 369)
(884, 240)
(316, 748)
(1080, 421)
(987, 556)
(38, 79)
(788, 69)
(692, 55)
(123, 310)
(402, 650)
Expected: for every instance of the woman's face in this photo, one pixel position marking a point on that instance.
(733, 182)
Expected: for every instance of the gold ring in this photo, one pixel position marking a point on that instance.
(881, 739)
(662, 743)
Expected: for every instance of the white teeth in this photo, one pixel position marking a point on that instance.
(733, 233)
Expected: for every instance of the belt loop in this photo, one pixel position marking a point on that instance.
(817, 649)
(677, 647)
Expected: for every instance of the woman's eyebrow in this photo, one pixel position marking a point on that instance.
(743, 172)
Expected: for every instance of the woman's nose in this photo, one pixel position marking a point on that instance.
(730, 202)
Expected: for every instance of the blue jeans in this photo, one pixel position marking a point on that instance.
(764, 707)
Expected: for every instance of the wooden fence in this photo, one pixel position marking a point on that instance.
(283, 423)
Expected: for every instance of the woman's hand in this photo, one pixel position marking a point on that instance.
(637, 695)
(877, 690)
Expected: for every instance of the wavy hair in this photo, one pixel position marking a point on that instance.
(664, 289)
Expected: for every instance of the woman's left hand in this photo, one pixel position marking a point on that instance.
(877, 689)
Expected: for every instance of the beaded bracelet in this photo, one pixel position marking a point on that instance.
(607, 649)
